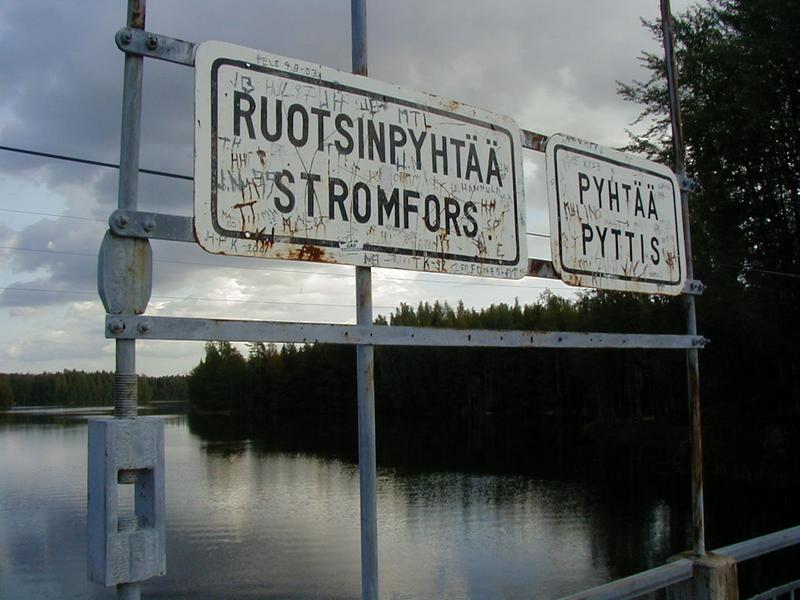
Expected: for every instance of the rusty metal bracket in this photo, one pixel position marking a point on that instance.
(199, 329)
(136, 224)
(153, 45)
(694, 287)
(533, 141)
(541, 268)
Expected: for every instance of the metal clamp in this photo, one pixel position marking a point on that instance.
(153, 45)
(687, 184)
(541, 268)
(533, 141)
(131, 327)
(694, 287)
(136, 224)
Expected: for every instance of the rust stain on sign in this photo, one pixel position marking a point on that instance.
(308, 252)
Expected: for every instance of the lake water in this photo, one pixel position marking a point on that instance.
(271, 511)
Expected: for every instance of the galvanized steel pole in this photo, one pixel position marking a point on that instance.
(692, 358)
(358, 28)
(125, 386)
(125, 380)
(365, 365)
(367, 467)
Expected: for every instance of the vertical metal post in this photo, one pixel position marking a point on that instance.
(367, 467)
(125, 388)
(692, 359)
(358, 28)
(125, 380)
(365, 365)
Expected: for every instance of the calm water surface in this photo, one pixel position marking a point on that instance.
(255, 518)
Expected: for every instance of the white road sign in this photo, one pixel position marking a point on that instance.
(298, 161)
(616, 220)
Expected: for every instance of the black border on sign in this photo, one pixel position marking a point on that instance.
(248, 65)
(601, 274)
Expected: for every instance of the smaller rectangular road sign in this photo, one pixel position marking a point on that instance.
(298, 161)
(616, 220)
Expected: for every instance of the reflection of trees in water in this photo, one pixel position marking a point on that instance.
(226, 434)
(504, 473)
(623, 502)
(495, 445)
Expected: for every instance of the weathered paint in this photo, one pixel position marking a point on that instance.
(292, 155)
(616, 220)
(129, 327)
(714, 577)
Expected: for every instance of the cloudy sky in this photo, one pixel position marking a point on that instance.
(549, 64)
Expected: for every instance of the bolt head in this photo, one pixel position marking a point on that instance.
(152, 42)
(149, 225)
(116, 326)
(122, 221)
(143, 327)
(126, 38)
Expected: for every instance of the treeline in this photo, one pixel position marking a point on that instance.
(738, 63)
(467, 383)
(80, 388)
(622, 396)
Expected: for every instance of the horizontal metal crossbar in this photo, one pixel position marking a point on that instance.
(160, 226)
(640, 583)
(777, 592)
(762, 545)
(682, 569)
(183, 328)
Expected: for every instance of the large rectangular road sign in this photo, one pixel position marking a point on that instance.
(616, 220)
(298, 161)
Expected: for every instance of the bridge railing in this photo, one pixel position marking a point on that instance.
(712, 577)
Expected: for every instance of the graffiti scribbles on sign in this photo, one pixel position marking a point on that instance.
(298, 161)
(616, 220)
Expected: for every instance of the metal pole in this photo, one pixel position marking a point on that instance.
(365, 365)
(125, 380)
(692, 359)
(367, 468)
(358, 29)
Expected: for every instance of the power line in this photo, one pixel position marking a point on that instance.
(95, 163)
(188, 298)
(45, 214)
(779, 273)
(98, 163)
